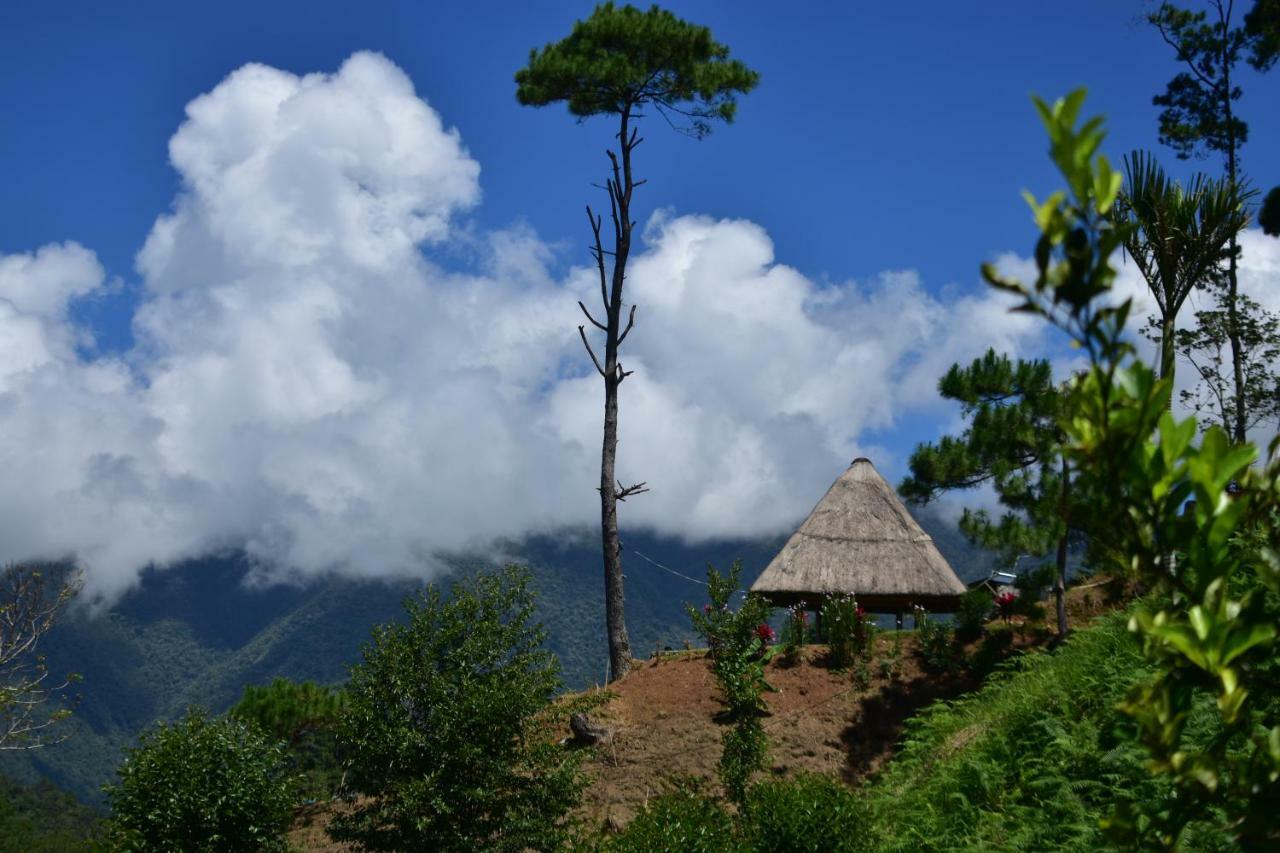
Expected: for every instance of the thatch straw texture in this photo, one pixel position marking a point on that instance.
(860, 539)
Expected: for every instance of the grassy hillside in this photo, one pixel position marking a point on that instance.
(1035, 759)
(1031, 762)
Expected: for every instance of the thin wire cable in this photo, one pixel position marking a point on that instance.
(665, 568)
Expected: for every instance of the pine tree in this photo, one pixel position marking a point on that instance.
(617, 63)
(1012, 441)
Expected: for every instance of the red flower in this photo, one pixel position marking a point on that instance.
(765, 633)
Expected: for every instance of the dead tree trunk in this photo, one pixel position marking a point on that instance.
(619, 187)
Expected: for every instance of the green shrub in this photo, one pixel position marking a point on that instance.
(739, 646)
(685, 819)
(891, 663)
(808, 813)
(304, 716)
(795, 633)
(202, 783)
(849, 629)
(937, 643)
(441, 727)
(975, 610)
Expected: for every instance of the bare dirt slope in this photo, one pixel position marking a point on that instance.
(666, 715)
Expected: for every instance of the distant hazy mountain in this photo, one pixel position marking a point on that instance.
(195, 634)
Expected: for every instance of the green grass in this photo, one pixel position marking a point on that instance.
(1032, 761)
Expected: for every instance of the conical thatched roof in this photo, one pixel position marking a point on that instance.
(860, 539)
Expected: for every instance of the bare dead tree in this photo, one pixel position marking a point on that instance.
(31, 705)
(619, 187)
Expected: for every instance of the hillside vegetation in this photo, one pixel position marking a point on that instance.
(196, 634)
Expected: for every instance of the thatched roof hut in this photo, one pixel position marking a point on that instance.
(860, 539)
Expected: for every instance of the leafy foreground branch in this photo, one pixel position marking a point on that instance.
(1196, 522)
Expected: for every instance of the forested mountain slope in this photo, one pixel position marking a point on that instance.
(196, 634)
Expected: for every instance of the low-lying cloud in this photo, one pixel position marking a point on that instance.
(317, 379)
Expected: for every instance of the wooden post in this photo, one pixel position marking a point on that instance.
(898, 621)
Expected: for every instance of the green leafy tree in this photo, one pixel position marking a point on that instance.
(1177, 237)
(1012, 441)
(1193, 521)
(442, 726)
(304, 716)
(1198, 112)
(202, 784)
(31, 705)
(1206, 348)
(618, 63)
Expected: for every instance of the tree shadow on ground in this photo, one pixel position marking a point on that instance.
(873, 735)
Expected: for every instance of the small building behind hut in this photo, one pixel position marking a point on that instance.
(997, 582)
(861, 540)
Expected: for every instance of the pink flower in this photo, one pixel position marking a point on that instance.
(765, 633)
(706, 608)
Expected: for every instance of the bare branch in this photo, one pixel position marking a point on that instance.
(620, 373)
(625, 492)
(631, 321)
(617, 180)
(593, 320)
(582, 330)
(599, 256)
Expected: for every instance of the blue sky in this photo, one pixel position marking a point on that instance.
(334, 378)
(882, 136)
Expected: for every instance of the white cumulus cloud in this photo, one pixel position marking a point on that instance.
(318, 379)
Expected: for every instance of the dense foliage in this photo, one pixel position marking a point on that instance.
(304, 716)
(43, 819)
(440, 726)
(621, 58)
(202, 784)
(1192, 520)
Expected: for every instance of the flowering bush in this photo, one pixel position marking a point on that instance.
(937, 648)
(1005, 604)
(739, 643)
(849, 628)
(795, 631)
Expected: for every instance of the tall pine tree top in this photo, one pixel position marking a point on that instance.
(621, 58)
